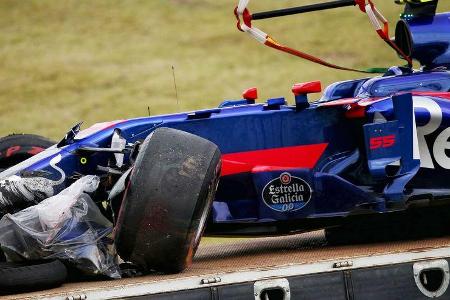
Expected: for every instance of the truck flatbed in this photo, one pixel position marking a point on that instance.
(239, 263)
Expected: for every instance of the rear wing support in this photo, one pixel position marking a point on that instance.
(394, 143)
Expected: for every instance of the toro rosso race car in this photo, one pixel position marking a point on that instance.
(368, 146)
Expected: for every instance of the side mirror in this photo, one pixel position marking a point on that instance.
(301, 91)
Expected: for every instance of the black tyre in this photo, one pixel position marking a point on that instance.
(31, 276)
(16, 148)
(166, 204)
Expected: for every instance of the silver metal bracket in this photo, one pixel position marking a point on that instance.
(264, 288)
(118, 142)
(432, 277)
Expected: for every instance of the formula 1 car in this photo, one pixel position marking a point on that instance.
(368, 146)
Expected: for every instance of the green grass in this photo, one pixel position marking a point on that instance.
(66, 61)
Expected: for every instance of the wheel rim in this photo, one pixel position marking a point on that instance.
(204, 216)
(201, 225)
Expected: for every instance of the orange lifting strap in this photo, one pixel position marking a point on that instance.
(381, 25)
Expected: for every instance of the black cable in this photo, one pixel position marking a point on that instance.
(302, 9)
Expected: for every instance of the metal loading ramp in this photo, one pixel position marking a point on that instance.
(253, 259)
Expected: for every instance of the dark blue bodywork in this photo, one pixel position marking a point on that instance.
(372, 145)
(426, 39)
(351, 154)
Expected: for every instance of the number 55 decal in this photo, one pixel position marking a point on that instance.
(382, 142)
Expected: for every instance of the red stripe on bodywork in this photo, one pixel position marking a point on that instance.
(301, 157)
(444, 95)
(340, 102)
(369, 101)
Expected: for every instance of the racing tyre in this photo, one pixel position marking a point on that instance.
(31, 276)
(16, 148)
(166, 203)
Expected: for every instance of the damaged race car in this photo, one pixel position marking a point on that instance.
(367, 147)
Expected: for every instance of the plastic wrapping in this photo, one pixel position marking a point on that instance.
(68, 226)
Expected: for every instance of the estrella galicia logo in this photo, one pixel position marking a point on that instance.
(286, 193)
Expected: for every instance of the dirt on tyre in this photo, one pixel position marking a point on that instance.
(16, 148)
(167, 200)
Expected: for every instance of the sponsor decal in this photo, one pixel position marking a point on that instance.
(286, 193)
(437, 149)
(382, 142)
(441, 144)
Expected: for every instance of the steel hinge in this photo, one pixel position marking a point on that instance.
(343, 264)
(77, 297)
(210, 280)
